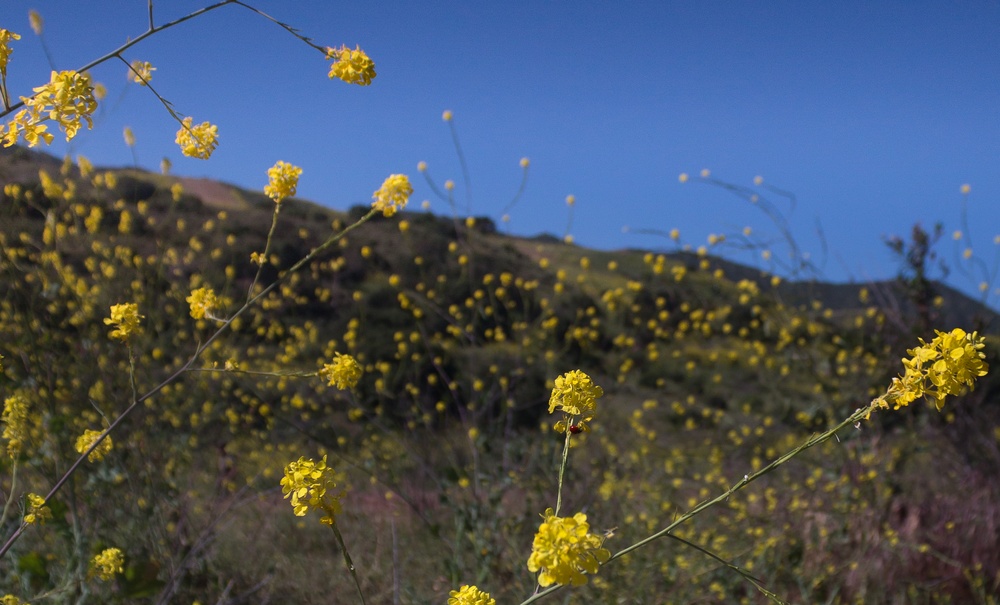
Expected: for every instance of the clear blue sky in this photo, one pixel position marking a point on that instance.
(873, 113)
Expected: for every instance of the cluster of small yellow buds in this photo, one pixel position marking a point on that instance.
(37, 512)
(15, 424)
(393, 194)
(574, 394)
(107, 563)
(351, 66)
(84, 441)
(564, 548)
(197, 141)
(12, 600)
(470, 595)
(125, 318)
(203, 301)
(312, 484)
(948, 365)
(343, 373)
(141, 72)
(283, 178)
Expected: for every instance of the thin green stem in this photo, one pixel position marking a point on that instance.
(267, 250)
(347, 559)
(562, 470)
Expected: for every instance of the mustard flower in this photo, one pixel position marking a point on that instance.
(312, 484)
(351, 66)
(67, 99)
(470, 595)
(12, 600)
(84, 441)
(141, 72)
(126, 319)
(197, 141)
(6, 37)
(948, 365)
(37, 511)
(343, 373)
(563, 549)
(107, 563)
(574, 394)
(283, 178)
(129, 136)
(203, 301)
(15, 424)
(393, 194)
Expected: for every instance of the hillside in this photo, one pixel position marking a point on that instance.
(709, 368)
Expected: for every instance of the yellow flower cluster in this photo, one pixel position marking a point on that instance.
(470, 595)
(12, 600)
(283, 178)
(351, 66)
(141, 72)
(6, 37)
(197, 141)
(37, 511)
(393, 194)
(574, 394)
(126, 319)
(68, 99)
(948, 365)
(107, 563)
(312, 484)
(343, 373)
(15, 424)
(564, 549)
(203, 301)
(84, 441)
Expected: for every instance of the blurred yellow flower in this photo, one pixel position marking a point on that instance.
(107, 563)
(36, 22)
(563, 549)
(84, 441)
(125, 318)
(470, 595)
(15, 424)
(37, 511)
(343, 373)
(393, 194)
(6, 37)
(283, 178)
(141, 72)
(197, 141)
(203, 301)
(351, 66)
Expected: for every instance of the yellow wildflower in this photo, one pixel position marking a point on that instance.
(67, 99)
(129, 136)
(203, 301)
(37, 511)
(6, 37)
(12, 600)
(351, 66)
(126, 319)
(283, 178)
(107, 563)
(393, 194)
(574, 394)
(84, 441)
(343, 373)
(470, 595)
(197, 141)
(141, 72)
(15, 424)
(948, 365)
(563, 549)
(312, 484)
